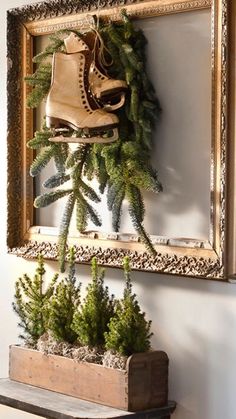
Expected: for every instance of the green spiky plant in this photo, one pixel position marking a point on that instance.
(64, 304)
(123, 168)
(129, 331)
(91, 320)
(31, 303)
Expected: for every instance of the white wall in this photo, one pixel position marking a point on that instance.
(193, 321)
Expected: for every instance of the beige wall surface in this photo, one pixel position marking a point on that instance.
(193, 321)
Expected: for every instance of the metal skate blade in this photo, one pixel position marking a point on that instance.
(95, 139)
(61, 130)
(60, 139)
(113, 107)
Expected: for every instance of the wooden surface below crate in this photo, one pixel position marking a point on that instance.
(51, 405)
(143, 385)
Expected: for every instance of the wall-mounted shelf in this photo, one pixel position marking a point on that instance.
(51, 405)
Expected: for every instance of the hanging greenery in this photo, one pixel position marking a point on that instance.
(122, 168)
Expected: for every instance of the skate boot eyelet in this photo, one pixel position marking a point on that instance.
(89, 52)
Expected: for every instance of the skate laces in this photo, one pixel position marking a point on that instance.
(102, 50)
(100, 46)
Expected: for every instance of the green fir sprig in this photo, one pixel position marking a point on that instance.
(91, 320)
(40, 81)
(32, 303)
(63, 305)
(129, 331)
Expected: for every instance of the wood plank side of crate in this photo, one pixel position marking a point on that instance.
(63, 375)
(147, 380)
(143, 385)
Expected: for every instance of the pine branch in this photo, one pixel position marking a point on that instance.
(147, 180)
(40, 139)
(136, 211)
(64, 229)
(31, 303)
(141, 231)
(129, 331)
(41, 161)
(56, 180)
(64, 303)
(75, 156)
(88, 167)
(102, 176)
(89, 209)
(81, 188)
(136, 201)
(41, 80)
(128, 26)
(60, 156)
(132, 57)
(50, 197)
(117, 209)
(113, 190)
(88, 191)
(81, 216)
(57, 45)
(91, 321)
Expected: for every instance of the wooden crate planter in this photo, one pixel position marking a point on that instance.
(143, 385)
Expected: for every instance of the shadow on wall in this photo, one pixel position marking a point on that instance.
(195, 322)
(183, 135)
(201, 384)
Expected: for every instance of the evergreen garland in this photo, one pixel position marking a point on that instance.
(32, 302)
(129, 331)
(63, 305)
(123, 167)
(91, 320)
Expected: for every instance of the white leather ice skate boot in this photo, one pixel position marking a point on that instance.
(69, 103)
(102, 87)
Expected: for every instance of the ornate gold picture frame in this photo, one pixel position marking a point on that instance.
(179, 256)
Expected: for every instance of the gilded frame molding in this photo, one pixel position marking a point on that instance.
(181, 257)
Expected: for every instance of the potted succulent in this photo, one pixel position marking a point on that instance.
(98, 349)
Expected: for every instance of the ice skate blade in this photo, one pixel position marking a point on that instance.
(103, 94)
(110, 108)
(87, 140)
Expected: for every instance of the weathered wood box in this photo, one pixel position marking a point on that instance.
(143, 385)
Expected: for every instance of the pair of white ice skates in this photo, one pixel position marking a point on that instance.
(80, 96)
